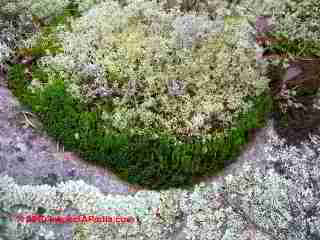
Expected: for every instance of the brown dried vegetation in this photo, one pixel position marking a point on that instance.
(303, 75)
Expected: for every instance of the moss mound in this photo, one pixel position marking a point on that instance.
(158, 108)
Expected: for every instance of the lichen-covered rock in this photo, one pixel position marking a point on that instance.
(88, 200)
(273, 197)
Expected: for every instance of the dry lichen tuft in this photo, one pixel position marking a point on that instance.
(175, 80)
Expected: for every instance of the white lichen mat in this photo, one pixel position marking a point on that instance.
(273, 193)
(106, 43)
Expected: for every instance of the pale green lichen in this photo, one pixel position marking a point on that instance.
(258, 201)
(87, 199)
(150, 55)
(5, 51)
(41, 9)
(293, 19)
(44, 9)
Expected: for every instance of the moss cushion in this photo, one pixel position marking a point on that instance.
(158, 97)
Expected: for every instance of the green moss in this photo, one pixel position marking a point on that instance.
(139, 159)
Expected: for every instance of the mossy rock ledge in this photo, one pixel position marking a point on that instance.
(158, 98)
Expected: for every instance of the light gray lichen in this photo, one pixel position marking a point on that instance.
(274, 199)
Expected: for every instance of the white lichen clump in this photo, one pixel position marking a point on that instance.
(20, 19)
(294, 19)
(43, 9)
(87, 199)
(169, 69)
(4, 51)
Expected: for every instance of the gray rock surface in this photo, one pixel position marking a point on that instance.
(30, 157)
